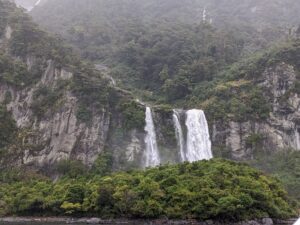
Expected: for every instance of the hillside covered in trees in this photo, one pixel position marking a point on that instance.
(73, 108)
(172, 45)
(219, 190)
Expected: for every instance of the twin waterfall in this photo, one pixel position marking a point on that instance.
(198, 140)
(151, 155)
(196, 146)
(179, 134)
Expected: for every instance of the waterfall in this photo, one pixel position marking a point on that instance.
(151, 154)
(198, 140)
(37, 3)
(204, 15)
(179, 134)
(297, 136)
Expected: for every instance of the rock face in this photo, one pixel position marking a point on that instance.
(280, 131)
(58, 135)
(61, 136)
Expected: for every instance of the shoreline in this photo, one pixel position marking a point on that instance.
(95, 220)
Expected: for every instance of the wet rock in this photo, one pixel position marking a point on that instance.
(267, 221)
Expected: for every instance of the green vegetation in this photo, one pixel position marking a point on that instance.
(161, 55)
(191, 64)
(29, 42)
(235, 93)
(285, 166)
(168, 53)
(14, 72)
(235, 100)
(217, 189)
(8, 128)
(92, 90)
(172, 56)
(134, 115)
(46, 99)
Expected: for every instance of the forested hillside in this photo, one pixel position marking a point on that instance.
(218, 190)
(53, 105)
(120, 85)
(212, 55)
(237, 60)
(171, 44)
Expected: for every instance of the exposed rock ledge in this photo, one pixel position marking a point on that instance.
(69, 220)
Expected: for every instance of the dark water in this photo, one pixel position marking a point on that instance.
(63, 223)
(38, 223)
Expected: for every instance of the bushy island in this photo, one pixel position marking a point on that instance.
(217, 189)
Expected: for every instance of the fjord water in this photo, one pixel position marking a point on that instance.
(151, 154)
(179, 134)
(198, 139)
(62, 223)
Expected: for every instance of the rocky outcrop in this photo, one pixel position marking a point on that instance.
(280, 131)
(59, 135)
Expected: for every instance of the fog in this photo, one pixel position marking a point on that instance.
(271, 10)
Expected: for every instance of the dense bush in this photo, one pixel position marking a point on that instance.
(14, 72)
(215, 189)
(285, 166)
(134, 115)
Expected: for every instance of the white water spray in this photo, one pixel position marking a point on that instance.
(297, 222)
(204, 15)
(37, 3)
(151, 154)
(198, 140)
(179, 134)
(297, 136)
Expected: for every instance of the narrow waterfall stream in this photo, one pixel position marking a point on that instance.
(151, 154)
(297, 138)
(179, 134)
(198, 140)
(37, 3)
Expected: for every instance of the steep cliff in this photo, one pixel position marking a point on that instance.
(63, 108)
(270, 121)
